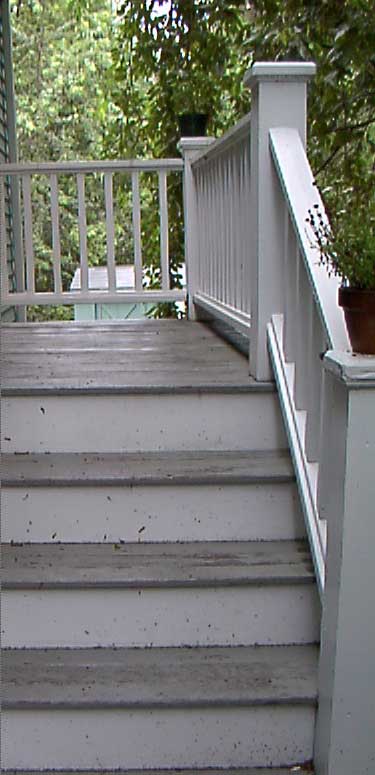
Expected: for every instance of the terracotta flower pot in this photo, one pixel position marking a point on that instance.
(359, 310)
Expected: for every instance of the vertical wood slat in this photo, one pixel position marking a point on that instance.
(28, 225)
(164, 237)
(136, 214)
(202, 265)
(314, 413)
(290, 289)
(110, 230)
(3, 240)
(229, 255)
(82, 232)
(56, 246)
(219, 220)
(303, 355)
(211, 215)
(242, 292)
(247, 263)
(235, 226)
(235, 200)
(218, 239)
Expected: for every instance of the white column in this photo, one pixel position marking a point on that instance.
(345, 735)
(190, 148)
(278, 99)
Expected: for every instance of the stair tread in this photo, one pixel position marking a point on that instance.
(146, 468)
(153, 357)
(293, 770)
(206, 563)
(159, 677)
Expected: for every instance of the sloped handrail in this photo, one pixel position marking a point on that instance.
(302, 194)
(310, 323)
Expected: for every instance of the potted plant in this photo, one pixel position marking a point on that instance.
(346, 246)
(192, 96)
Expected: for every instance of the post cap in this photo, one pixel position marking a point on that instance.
(194, 143)
(356, 371)
(279, 71)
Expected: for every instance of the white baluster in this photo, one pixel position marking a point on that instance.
(304, 312)
(110, 230)
(82, 233)
(314, 419)
(291, 264)
(28, 227)
(137, 231)
(246, 257)
(164, 236)
(56, 247)
(211, 224)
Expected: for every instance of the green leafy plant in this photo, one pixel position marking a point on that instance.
(346, 242)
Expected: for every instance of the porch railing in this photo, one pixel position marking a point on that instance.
(298, 337)
(250, 259)
(221, 175)
(104, 176)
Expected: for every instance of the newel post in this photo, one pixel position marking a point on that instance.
(278, 99)
(190, 148)
(345, 734)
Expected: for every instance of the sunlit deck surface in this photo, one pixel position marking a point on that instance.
(117, 357)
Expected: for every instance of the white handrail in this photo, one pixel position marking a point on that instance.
(302, 195)
(230, 138)
(309, 323)
(75, 167)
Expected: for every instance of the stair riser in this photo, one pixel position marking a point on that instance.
(214, 737)
(137, 423)
(269, 615)
(152, 513)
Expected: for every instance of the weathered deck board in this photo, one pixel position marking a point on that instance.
(146, 468)
(151, 678)
(125, 566)
(141, 354)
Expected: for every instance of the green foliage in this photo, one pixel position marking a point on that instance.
(339, 35)
(175, 59)
(181, 57)
(97, 79)
(346, 243)
(61, 64)
(61, 53)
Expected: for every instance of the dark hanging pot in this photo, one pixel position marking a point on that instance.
(193, 124)
(359, 310)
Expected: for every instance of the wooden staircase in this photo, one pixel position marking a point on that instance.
(159, 608)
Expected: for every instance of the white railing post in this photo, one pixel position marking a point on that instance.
(345, 740)
(189, 148)
(278, 100)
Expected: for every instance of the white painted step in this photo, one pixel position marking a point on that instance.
(199, 594)
(132, 421)
(169, 496)
(155, 708)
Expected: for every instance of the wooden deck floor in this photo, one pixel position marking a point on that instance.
(117, 357)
